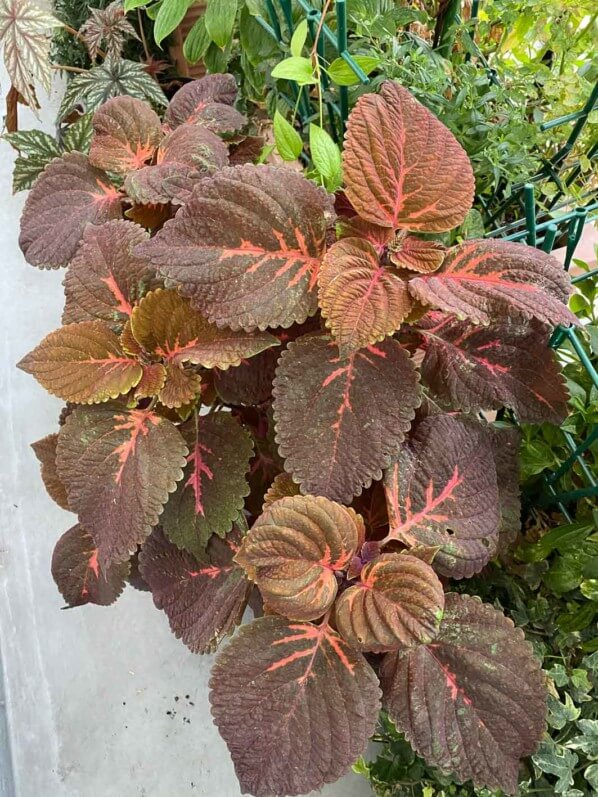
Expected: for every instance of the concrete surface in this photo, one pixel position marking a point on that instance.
(100, 702)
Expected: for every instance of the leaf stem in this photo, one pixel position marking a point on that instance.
(142, 36)
(65, 68)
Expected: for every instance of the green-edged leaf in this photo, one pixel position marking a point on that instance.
(203, 600)
(283, 486)
(488, 281)
(191, 101)
(412, 253)
(126, 133)
(361, 300)
(25, 34)
(36, 149)
(220, 20)
(263, 687)
(399, 601)
(119, 467)
(288, 141)
(294, 549)
(212, 493)
(169, 16)
(69, 195)
(472, 702)
(403, 168)
(297, 68)
(340, 422)
(342, 74)
(77, 573)
(77, 137)
(241, 275)
(442, 491)
(45, 451)
(82, 363)
(105, 279)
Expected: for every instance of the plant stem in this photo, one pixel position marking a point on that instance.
(66, 68)
(77, 35)
(142, 36)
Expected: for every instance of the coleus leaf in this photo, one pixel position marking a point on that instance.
(240, 274)
(294, 703)
(403, 168)
(340, 422)
(198, 102)
(126, 134)
(398, 601)
(249, 383)
(77, 573)
(356, 227)
(486, 280)
(407, 251)
(105, 279)
(212, 492)
(505, 446)
(483, 368)
(82, 363)
(194, 146)
(162, 183)
(45, 451)
(69, 195)
(294, 549)
(361, 300)
(164, 323)
(442, 491)
(203, 600)
(472, 702)
(119, 467)
(283, 486)
(181, 386)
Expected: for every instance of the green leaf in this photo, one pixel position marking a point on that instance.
(562, 538)
(341, 73)
(287, 139)
(559, 714)
(36, 150)
(536, 456)
(473, 225)
(298, 38)
(556, 760)
(295, 68)
(588, 741)
(78, 136)
(220, 19)
(197, 42)
(131, 5)
(591, 775)
(326, 157)
(153, 10)
(589, 589)
(169, 16)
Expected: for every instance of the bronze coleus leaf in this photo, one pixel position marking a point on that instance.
(483, 368)
(207, 102)
(473, 701)
(356, 227)
(45, 451)
(362, 301)
(77, 572)
(126, 134)
(294, 549)
(340, 422)
(295, 705)
(67, 196)
(506, 444)
(407, 251)
(203, 599)
(105, 279)
(489, 281)
(212, 492)
(118, 467)
(246, 248)
(403, 168)
(398, 601)
(283, 486)
(83, 363)
(442, 491)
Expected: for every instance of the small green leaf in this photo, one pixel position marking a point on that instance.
(220, 20)
(588, 741)
(559, 714)
(169, 17)
(556, 760)
(131, 5)
(326, 157)
(197, 42)
(153, 10)
(341, 73)
(298, 38)
(287, 139)
(295, 68)
(591, 775)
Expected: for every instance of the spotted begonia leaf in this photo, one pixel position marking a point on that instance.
(203, 600)
(119, 467)
(212, 492)
(403, 168)
(472, 702)
(398, 601)
(105, 279)
(340, 422)
(45, 451)
(164, 323)
(416, 255)
(247, 274)
(487, 281)
(294, 703)
(483, 368)
(206, 102)
(83, 363)
(126, 134)
(294, 549)
(362, 301)
(442, 491)
(283, 486)
(68, 195)
(77, 573)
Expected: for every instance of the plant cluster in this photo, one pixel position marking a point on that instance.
(274, 399)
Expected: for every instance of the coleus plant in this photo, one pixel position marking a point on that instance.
(268, 404)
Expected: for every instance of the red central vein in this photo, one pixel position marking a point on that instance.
(412, 519)
(195, 479)
(122, 304)
(137, 425)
